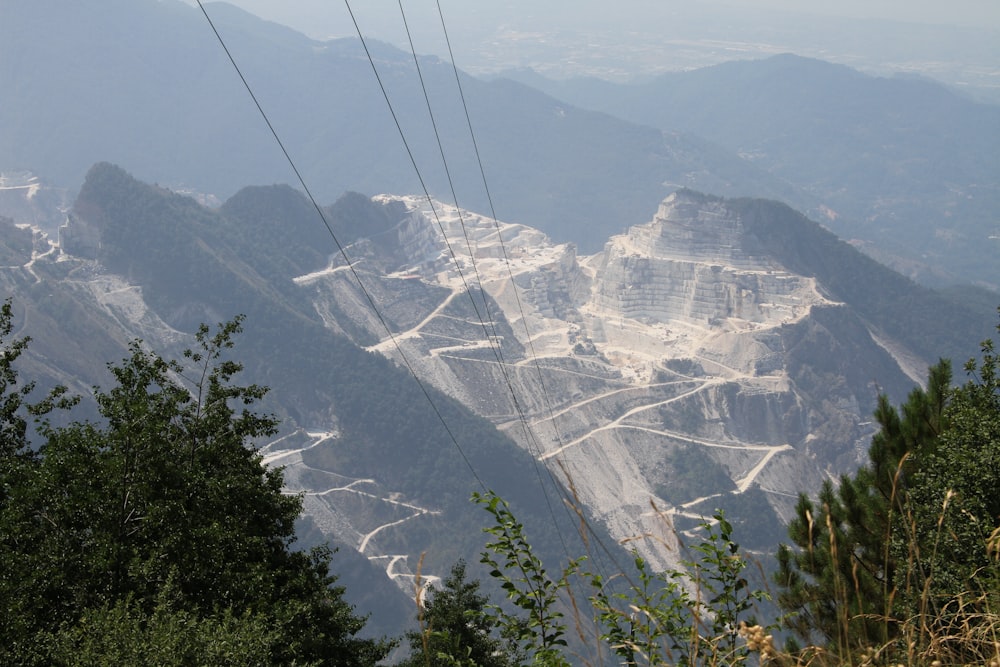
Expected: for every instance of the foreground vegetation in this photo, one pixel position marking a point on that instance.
(155, 536)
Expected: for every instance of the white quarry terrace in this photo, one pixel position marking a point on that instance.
(593, 340)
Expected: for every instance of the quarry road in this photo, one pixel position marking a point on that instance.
(744, 484)
(389, 343)
(271, 458)
(598, 397)
(328, 271)
(470, 345)
(346, 487)
(318, 498)
(425, 580)
(364, 540)
(704, 443)
(697, 501)
(617, 423)
(527, 363)
(569, 371)
(35, 256)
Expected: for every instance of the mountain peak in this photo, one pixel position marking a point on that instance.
(695, 262)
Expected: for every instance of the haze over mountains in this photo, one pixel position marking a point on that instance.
(654, 323)
(906, 168)
(956, 43)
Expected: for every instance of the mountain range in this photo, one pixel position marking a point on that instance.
(706, 358)
(903, 165)
(904, 168)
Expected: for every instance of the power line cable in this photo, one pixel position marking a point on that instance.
(490, 341)
(416, 169)
(333, 236)
(498, 349)
(447, 170)
(496, 222)
(342, 250)
(524, 320)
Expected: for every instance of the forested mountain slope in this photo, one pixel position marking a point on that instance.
(145, 84)
(727, 353)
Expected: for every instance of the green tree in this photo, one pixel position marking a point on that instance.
(18, 464)
(166, 493)
(536, 622)
(839, 583)
(898, 553)
(697, 615)
(125, 634)
(13, 426)
(952, 520)
(456, 629)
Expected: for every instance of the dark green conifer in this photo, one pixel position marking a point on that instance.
(455, 629)
(909, 546)
(839, 581)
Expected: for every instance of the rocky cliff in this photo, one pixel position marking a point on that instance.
(681, 369)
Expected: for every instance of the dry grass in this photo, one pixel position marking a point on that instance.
(963, 629)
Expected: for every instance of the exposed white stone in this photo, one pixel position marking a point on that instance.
(596, 333)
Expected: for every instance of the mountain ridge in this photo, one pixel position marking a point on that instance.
(905, 165)
(178, 116)
(360, 410)
(637, 358)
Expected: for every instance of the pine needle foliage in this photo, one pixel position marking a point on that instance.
(896, 561)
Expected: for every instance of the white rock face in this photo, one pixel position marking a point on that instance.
(687, 269)
(665, 376)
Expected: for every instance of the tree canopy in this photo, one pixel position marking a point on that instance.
(456, 629)
(157, 531)
(905, 550)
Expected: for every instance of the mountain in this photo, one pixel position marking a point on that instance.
(145, 83)
(902, 164)
(903, 167)
(727, 353)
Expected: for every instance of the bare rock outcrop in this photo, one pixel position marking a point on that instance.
(681, 368)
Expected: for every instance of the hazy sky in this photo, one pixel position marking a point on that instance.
(961, 12)
(318, 16)
(954, 41)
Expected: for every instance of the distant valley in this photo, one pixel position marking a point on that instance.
(903, 168)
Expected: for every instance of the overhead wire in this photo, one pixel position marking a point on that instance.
(524, 320)
(497, 347)
(447, 170)
(416, 168)
(455, 258)
(496, 223)
(343, 252)
(350, 265)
